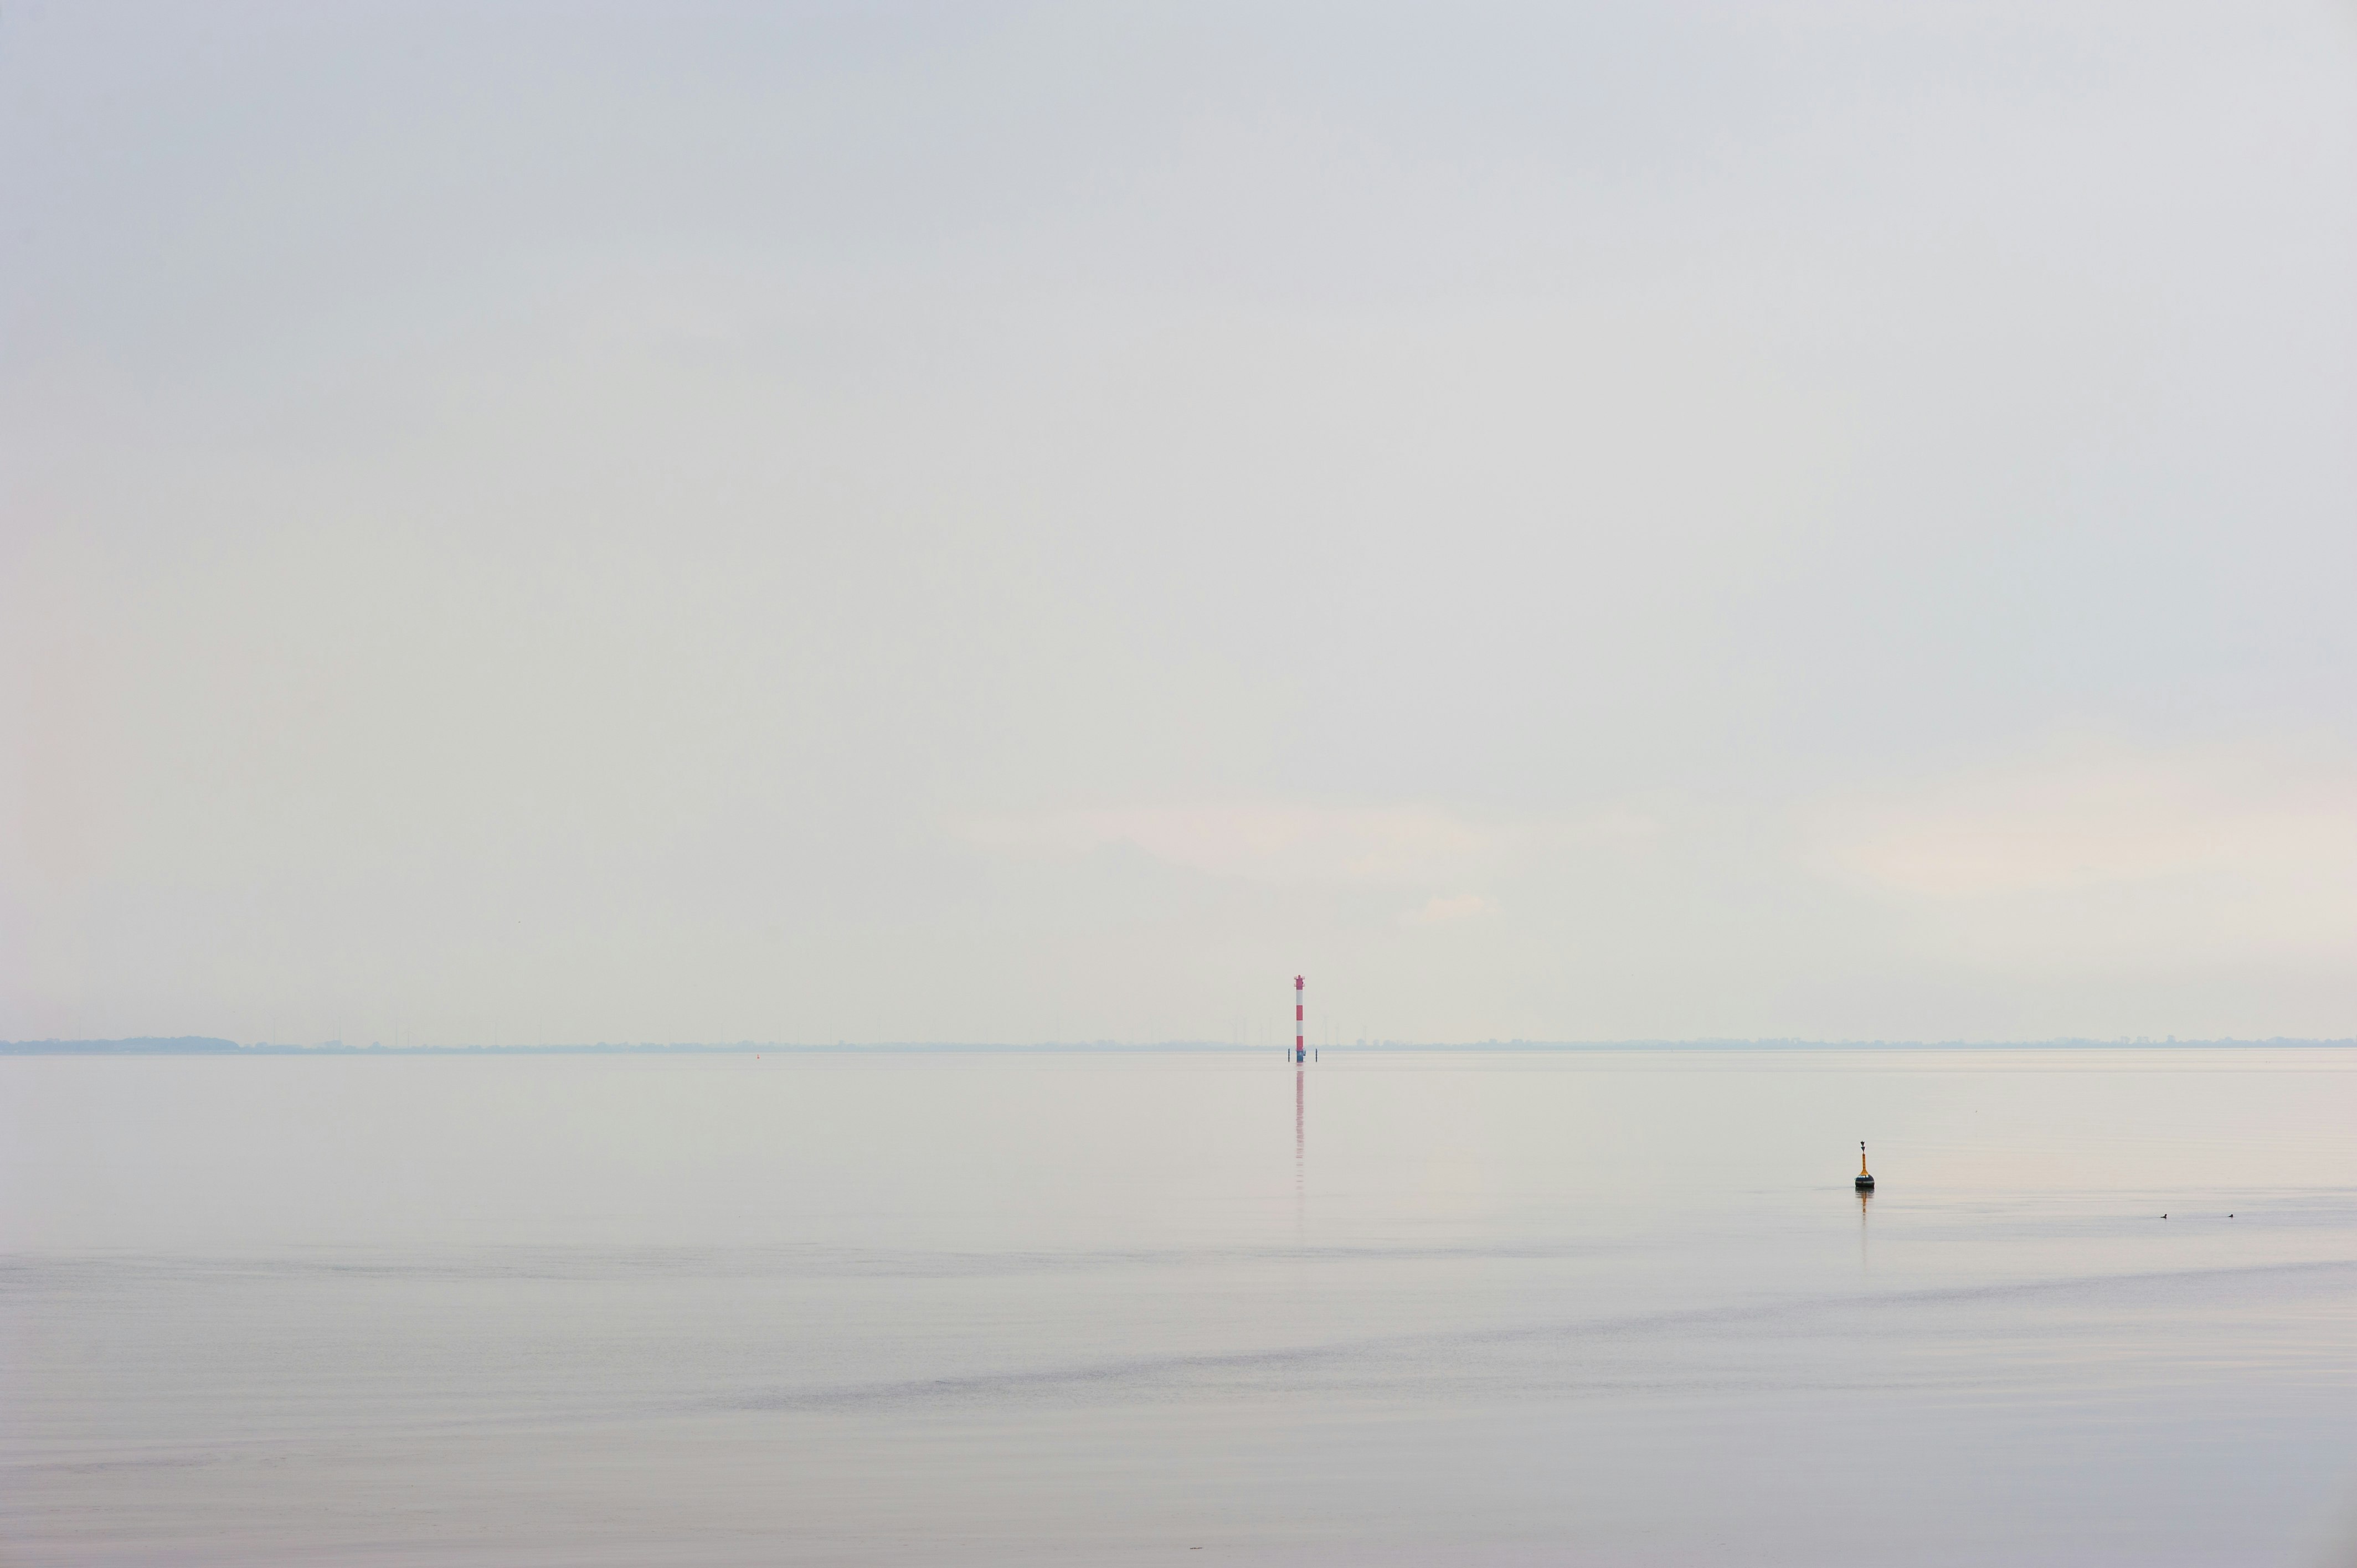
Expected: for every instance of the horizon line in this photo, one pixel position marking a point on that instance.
(198, 1045)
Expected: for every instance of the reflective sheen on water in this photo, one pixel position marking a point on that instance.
(1586, 1307)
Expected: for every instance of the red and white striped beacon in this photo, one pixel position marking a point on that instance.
(1299, 1056)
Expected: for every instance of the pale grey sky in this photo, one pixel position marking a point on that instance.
(554, 522)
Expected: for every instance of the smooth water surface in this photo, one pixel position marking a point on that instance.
(1577, 1307)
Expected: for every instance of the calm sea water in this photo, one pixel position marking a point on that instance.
(1607, 1307)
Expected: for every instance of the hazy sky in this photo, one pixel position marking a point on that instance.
(561, 522)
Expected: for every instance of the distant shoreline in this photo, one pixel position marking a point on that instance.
(202, 1046)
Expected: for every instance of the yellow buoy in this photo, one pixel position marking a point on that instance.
(1865, 1177)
